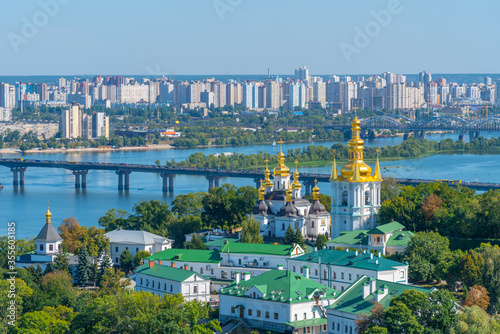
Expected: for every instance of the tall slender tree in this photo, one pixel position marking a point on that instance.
(84, 265)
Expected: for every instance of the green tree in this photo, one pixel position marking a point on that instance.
(188, 204)
(57, 288)
(113, 281)
(491, 274)
(84, 265)
(140, 256)
(376, 330)
(126, 261)
(374, 319)
(289, 238)
(398, 319)
(299, 239)
(61, 261)
(439, 311)
(474, 320)
(23, 292)
(250, 232)
(425, 251)
(321, 241)
(196, 243)
(471, 268)
(49, 320)
(389, 189)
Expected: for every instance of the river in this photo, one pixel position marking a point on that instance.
(26, 206)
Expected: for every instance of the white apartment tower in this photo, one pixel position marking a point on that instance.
(71, 122)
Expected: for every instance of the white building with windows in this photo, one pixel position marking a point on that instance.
(135, 241)
(355, 192)
(339, 269)
(278, 300)
(359, 298)
(161, 280)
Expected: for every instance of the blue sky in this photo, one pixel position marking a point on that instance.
(247, 36)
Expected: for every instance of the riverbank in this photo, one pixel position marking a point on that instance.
(150, 147)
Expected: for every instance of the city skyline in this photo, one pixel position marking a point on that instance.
(231, 37)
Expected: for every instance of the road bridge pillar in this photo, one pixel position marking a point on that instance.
(83, 174)
(257, 183)
(309, 185)
(461, 136)
(419, 133)
(473, 135)
(120, 180)
(77, 178)
(15, 178)
(217, 179)
(21, 175)
(406, 136)
(127, 180)
(210, 182)
(170, 183)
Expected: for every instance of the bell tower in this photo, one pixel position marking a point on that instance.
(355, 191)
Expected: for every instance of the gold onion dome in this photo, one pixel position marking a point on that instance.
(262, 191)
(356, 170)
(296, 183)
(281, 169)
(48, 215)
(315, 191)
(267, 183)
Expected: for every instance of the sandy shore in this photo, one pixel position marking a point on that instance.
(90, 149)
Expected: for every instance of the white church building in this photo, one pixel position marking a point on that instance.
(355, 191)
(281, 205)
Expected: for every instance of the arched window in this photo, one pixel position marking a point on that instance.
(312, 224)
(344, 198)
(367, 197)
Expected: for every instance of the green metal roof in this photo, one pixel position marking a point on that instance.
(307, 322)
(219, 242)
(351, 300)
(400, 238)
(280, 286)
(386, 228)
(356, 237)
(187, 255)
(349, 259)
(166, 272)
(265, 249)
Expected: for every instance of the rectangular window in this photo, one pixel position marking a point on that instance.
(116, 249)
(201, 271)
(223, 274)
(309, 329)
(41, 247)
(116, 259)
(141, 280)
(51, 248)
(232, 310)
(314, 315)
(250, 312)
(258, 313)
(239, 262)
(171, 288)
(233, 275)
(267, 314)
(350, 277)
(305, 315)
(295, 317)
(342, 275)
(195, 289)
(165, 286)
(275, 316)
(137, 249)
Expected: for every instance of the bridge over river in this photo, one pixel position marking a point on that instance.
(418, 128)
(80, 170)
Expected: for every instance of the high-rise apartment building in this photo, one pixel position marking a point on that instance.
(71, 122)
(250, 95)
(302, 74)
(296, 95)
(425, 77)
(273, 96)
(100, 125)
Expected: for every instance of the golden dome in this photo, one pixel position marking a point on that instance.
(281, 169)
(262, 191)
(267, 183)
(315, 191)
(48, 215)
(289, 195)
(356, 170)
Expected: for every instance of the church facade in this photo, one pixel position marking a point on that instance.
(281, 205)
(355, 191)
